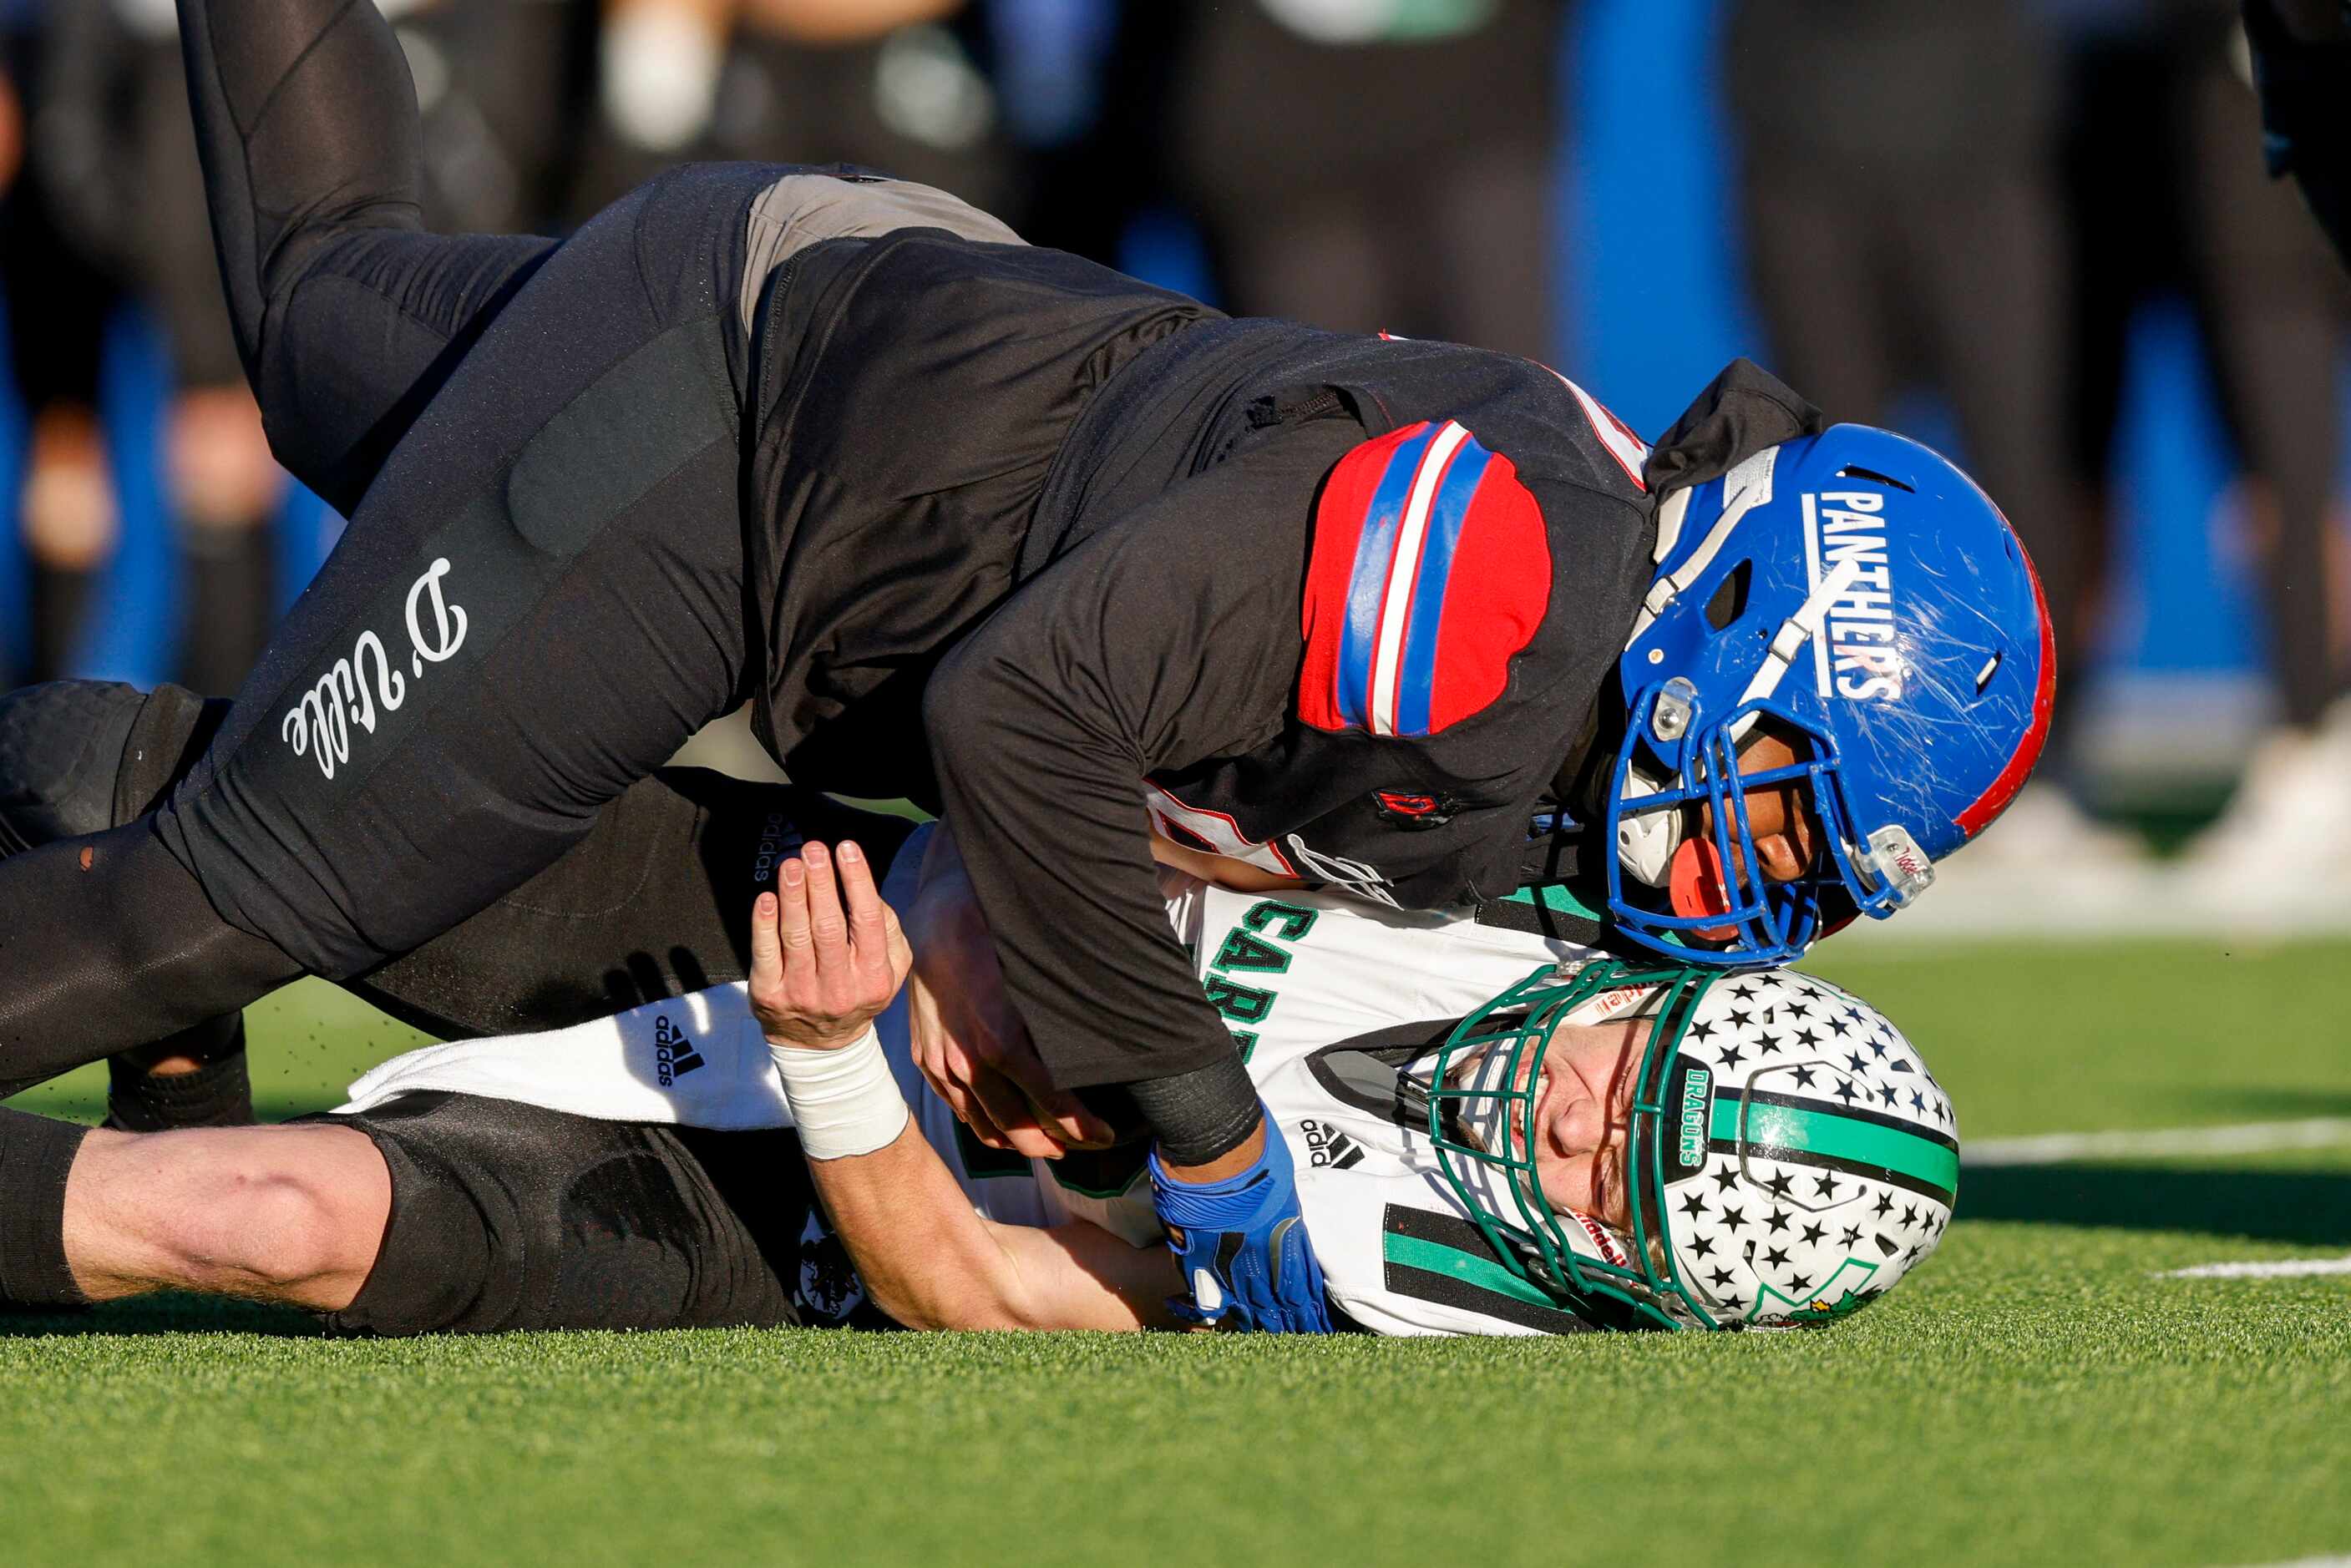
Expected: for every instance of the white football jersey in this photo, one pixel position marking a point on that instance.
(1328, 998)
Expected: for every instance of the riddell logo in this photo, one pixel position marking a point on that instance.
(1327, 1145)
(674, 1055)
(1609, 1251)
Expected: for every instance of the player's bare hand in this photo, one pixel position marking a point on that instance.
(967, 1041)
(826, 954)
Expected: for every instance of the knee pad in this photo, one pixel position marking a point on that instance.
(81, 756)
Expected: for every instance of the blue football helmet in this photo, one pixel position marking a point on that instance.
(1857, 595)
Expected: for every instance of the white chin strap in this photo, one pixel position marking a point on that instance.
(1797, 633)
(1744, 488)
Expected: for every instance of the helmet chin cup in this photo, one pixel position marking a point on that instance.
(1698, 888)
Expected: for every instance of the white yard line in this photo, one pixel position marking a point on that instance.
(2313, 1562)
(2278, 1269)
(2244, 1137)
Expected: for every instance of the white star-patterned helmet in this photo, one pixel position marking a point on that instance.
(1790, 1156)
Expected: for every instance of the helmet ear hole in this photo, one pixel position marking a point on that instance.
(1730, 601)
(1854, 471)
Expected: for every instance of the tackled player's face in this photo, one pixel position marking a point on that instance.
(1582, 1127)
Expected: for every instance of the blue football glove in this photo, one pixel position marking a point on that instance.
(1243, 1247)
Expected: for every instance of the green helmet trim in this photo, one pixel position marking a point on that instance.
(1857, 1139)
(1531, 1241)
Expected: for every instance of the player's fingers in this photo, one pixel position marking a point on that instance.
(1010, 1110)
(900, 952)
(1067, 1118)
(858, 893)
(827, 924)
(966, 1106)
(983, 1127)
(766, 951)
(792, 910)
(872, 924)
(1060, 1113)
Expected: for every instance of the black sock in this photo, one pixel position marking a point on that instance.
(60, 597)
(35, 1156)
(218, 1094)
(231, 605)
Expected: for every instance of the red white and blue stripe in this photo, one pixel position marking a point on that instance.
(1430, 570)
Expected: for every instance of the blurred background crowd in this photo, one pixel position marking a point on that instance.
(2037, 232)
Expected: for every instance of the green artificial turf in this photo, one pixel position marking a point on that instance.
(2035, 1393)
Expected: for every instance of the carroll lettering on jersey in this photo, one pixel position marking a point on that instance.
(1254, 945)
(1294, 920)
(1861, 661)
(1244, 949)
(1241, 1003)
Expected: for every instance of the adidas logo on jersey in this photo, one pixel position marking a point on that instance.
(674, 1055)
(1326, 1145)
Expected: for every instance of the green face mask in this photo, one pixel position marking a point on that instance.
(1481, 1108)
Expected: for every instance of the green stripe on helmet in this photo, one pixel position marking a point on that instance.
(1930, 1165)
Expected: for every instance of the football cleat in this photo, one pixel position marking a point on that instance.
(1789, 1156)
(1854, 594)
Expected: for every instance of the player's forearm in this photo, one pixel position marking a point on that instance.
(1051, 834)
(930, 1262)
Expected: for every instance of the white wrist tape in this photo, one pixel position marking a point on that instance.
(845, 1101)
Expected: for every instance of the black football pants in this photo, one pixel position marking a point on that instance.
(540, 597)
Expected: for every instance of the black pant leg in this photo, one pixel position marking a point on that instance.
(654, 902)
(347, 316)
(540, 598)
(510, 1216)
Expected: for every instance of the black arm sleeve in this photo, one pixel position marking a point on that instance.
(1170, 637)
